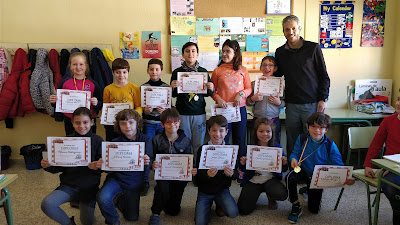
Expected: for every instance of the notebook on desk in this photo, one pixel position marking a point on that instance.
(394, 158)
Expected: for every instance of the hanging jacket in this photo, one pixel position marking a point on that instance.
(64, 57)
(32, 58)
(3, 67)
(55, 67)
(25, 102)
(102, 73)
(87, 54)
(41, 86)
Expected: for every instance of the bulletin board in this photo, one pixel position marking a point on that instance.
(230, 8)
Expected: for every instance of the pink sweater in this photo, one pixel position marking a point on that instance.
(228, 83)
(389, 133)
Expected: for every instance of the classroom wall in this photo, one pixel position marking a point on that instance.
(100, 21)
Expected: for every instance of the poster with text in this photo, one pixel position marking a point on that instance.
(278, 7)
(129, 45)
(373, 23)
(177, 43)
(207, 26)
(273, 25)
(151, 44)
(182, 7)
(257, 43)
(252, 60)
(336, 25)
(253, 25)
(230, 25)
(183, 25)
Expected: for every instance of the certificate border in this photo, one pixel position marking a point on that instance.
(257, 85)
(231, 104)
(271, 169)
(65, 90)
(167, 105)
(130, 168)
(204, 74)
(234, 152)
(53, 152)
(172, 177)
(319, 170)
(106, 111)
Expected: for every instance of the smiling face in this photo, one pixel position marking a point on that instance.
(217, 134)
(264, 134)
(129, 128)
(82, 124)
(121, 77)
(154, 71)
(78, 66)
(291, 30)
(228, 54)
(317, 131)
(190, 55)
(268, 67)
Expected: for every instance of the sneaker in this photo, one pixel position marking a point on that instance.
(295, 214)
(145, 189)
(154, 219)
(303, 192)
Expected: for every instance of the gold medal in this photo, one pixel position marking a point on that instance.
(297, 169)
(196, 98)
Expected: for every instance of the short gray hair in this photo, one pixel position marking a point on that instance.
(291, 18)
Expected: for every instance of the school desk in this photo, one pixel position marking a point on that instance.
(6, 199)
(386, 165)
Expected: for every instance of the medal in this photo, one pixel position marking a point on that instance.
(196, 98)
(297, 169)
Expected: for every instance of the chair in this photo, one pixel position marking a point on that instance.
(359, 138)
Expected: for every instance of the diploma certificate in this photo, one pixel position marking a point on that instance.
(269, 86)
(328, 176)
(68, 151)
(123, 156)
(156, 96)
(192, 82)
(231, 113)
(264, 158)
(110, 110)
(69, 100)
(174, 167)
(218, 156)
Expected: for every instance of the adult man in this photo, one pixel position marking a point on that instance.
(307, 81)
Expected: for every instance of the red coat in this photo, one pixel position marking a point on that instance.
(55, 67)
(25, 99)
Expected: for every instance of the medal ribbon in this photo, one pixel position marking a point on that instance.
(83, 85)
(301, 160)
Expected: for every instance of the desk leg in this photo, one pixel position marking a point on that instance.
(378, 196)
(7, 206)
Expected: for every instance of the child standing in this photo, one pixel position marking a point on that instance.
(267, 106)
(232, 84)
(127, 123)
(121, 91)
(80, 69)
(310, 150)
(77, 183)
(256, 182)
(168, 193)
(213, 183)
(192, 106)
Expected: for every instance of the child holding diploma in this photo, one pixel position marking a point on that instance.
(256, 182)
(310, 150)
(267, 106)
(77, 183)
(79, 70)
(168, 193)
(213, 183)
(127, 123)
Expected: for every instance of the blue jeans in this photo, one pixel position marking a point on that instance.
(238, 132)
(204, 202)
(296, 118)
(152, 129)
(393, 195)
(130, 201)
(51, 207)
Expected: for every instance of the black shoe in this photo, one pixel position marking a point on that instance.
(145, 189)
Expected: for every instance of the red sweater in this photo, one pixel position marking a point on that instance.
(388, 133)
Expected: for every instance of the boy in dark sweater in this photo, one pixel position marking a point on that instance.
(213, 183)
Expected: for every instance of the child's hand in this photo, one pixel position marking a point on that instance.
(211, 172)
(243, 160)
(146, 159)
(155, 165)
(228, 171)
(221, 103)
(95, 165)
(148, 109)
(194, 171)
(274, 100)
(53, 98)
(45, 163)
(257, 97)
(210, 86)
(294, 163)
(160, 109)
(175, 84)
(93, 101)
(350, 181)
(369, 172)
(284, 160)
(237, 100)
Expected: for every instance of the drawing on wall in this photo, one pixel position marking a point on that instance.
(373, 24)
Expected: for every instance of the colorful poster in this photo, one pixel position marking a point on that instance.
(230, 25)
(273, 25)
(208, 43)
(336, 25)
(257, 43)
(278, 7)
(373, 24)
(207, 26)
(129, 45)
(252, 60)
(177, 43)
(182, 7)
(276, 42)
(151, 44)
(253, 25)
(240, 38)
(183, 25)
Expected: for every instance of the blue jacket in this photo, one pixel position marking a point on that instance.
(132, 179)
(319, 157)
